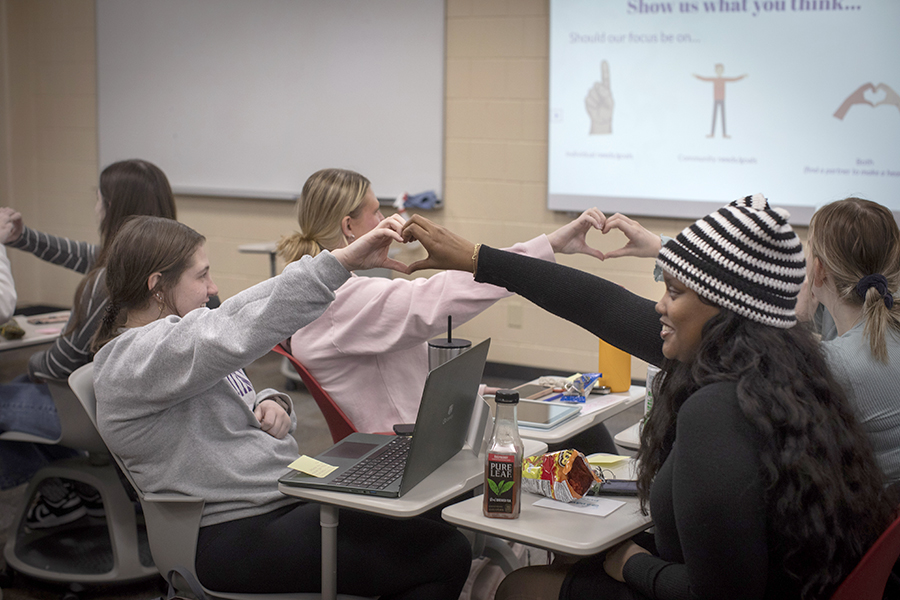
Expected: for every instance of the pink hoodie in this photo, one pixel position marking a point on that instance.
(369, 349)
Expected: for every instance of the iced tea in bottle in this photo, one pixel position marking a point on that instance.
(503, 460)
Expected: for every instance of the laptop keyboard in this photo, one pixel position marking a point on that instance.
(379, 470)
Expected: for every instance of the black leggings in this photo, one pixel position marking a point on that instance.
(280, 552)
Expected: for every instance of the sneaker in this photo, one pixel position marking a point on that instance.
(44, 514)
(91, 500)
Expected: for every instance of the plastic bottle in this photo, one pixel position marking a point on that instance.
(503, 461)
(652, 372)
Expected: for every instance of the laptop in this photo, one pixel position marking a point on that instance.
(442, 423)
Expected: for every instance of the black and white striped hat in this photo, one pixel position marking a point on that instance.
(743, 257)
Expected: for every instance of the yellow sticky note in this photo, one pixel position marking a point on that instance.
(601, 459)
(311, 466)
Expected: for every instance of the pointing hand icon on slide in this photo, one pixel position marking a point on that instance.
(599, 103)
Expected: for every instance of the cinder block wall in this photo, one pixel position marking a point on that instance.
(495, 163)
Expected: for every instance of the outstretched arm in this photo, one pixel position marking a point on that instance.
(71, 254)
(606, 309)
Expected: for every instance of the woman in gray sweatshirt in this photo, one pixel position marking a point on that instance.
(174, 403)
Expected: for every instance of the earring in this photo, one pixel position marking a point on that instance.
(352, 237)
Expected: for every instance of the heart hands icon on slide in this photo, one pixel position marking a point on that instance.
(875, 96)
(871, 95)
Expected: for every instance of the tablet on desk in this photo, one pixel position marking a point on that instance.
(533, 391)
(540, 415)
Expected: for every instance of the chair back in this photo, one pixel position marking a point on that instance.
(868, 580)
(172, 520)
(339, 424)
(78, 429)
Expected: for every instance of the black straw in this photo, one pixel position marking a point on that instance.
(449, 328)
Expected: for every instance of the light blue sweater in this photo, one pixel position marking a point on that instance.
(174, 403)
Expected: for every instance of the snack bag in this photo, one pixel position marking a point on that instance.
(578, 389)
(564, 475)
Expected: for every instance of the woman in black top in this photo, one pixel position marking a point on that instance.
(760, 482)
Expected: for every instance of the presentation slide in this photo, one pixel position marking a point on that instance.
(676, 108)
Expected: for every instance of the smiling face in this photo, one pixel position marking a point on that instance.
(195, 285)
(367, 216)
(683, 315)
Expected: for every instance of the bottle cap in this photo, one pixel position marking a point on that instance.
(506, 397)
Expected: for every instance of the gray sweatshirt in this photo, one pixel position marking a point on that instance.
(174, 404)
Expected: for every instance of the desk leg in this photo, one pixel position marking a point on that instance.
(328, 520)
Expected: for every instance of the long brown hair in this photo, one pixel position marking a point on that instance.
(143, 246)
(127, 188)
(824, 496)
(328, 196)
(853, 238)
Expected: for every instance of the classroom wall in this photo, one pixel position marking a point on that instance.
(495, 164)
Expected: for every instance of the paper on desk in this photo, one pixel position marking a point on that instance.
(588, 505)
(595, 402)
(602, 459)
(311, 466)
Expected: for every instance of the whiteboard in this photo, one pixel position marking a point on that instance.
(249, 97)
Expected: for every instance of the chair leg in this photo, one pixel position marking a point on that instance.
(498, 551)
(120, 519)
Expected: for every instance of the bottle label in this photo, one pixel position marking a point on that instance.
(500, 483)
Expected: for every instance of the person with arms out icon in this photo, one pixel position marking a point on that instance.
(719, 96)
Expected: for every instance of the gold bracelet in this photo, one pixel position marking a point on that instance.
(475, 258)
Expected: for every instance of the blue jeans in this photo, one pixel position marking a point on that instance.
(27, 407)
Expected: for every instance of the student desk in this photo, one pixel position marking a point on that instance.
(462, 473)
(556, 530)
(36, 333)
(612, 404)
(630, 438)
(269, 248)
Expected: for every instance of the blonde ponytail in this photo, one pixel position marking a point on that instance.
(858, 244)
(328, 196)
(295, 246)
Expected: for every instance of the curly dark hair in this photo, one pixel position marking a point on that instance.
(824, 490)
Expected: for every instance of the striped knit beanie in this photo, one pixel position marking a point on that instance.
(743, 257)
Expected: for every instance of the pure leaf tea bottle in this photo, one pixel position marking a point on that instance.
(503, 461)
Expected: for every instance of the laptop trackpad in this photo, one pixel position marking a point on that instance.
(349, 450)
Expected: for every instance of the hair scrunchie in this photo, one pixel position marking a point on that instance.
(879, 282)
(112, 311)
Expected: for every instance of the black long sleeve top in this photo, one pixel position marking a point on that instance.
(707, 500)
